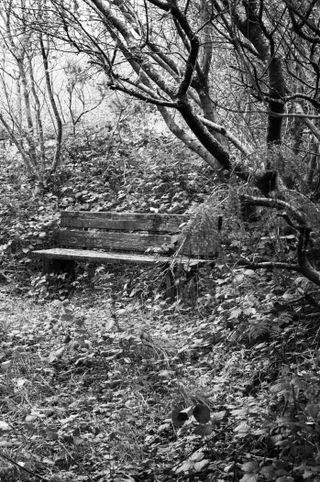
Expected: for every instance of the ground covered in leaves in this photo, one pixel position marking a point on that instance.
(103, 380)
(98, 389)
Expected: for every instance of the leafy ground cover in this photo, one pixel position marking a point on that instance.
(104, 380)
(95, 389)
(143, 174)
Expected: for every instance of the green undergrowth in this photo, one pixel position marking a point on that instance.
(103, 379)
(145, 173)
(110, 388)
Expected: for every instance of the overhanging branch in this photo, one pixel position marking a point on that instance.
(141, 96)
(303, 230)
(278, 204)
(223, 131)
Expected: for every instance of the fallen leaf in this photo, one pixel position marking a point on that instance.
(4, 426)
(201, 413)
(178, 417)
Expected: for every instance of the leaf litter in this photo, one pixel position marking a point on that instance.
(160, 394)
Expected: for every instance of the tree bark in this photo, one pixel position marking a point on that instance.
(276, 102)
(57, 155)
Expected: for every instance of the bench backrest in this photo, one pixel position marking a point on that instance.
(127, 232)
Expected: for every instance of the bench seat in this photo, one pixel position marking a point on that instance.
(136, 238)
(94, 256)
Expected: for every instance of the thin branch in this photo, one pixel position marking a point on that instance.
(223, 131)
(140, 96)
(26, 159)
(269, 265)
(20, 467)
(191, 63)
(306, 270)
(277, 204)
(57, 154)
(307, 121)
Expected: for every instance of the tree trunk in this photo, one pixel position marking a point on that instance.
(276, 102)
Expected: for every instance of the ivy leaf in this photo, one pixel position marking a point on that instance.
(178, 417)
(4, 426)
(20, 382)
(219, 416)
(201, 413)
(198, 466)
(185, 467)
(252, 466)
(242, 429)
(235, 313)
(268, 472)
(56, 355)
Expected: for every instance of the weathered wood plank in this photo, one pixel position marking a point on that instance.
(111, 241)
(126, 238)
(104, 258)
(133, 242)
(95, 256)
(205, 245)
(113, 221)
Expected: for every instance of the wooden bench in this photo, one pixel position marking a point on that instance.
(111, 237)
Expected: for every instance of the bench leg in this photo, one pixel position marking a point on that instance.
(59, 266)
(170, 285)
(182, 283)
(192, 274)
(191, 284)
(175, 280)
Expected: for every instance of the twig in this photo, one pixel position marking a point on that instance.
(13, 462)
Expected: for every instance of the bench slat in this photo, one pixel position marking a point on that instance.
(97, 257)
(113, 241)
(113, 221)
